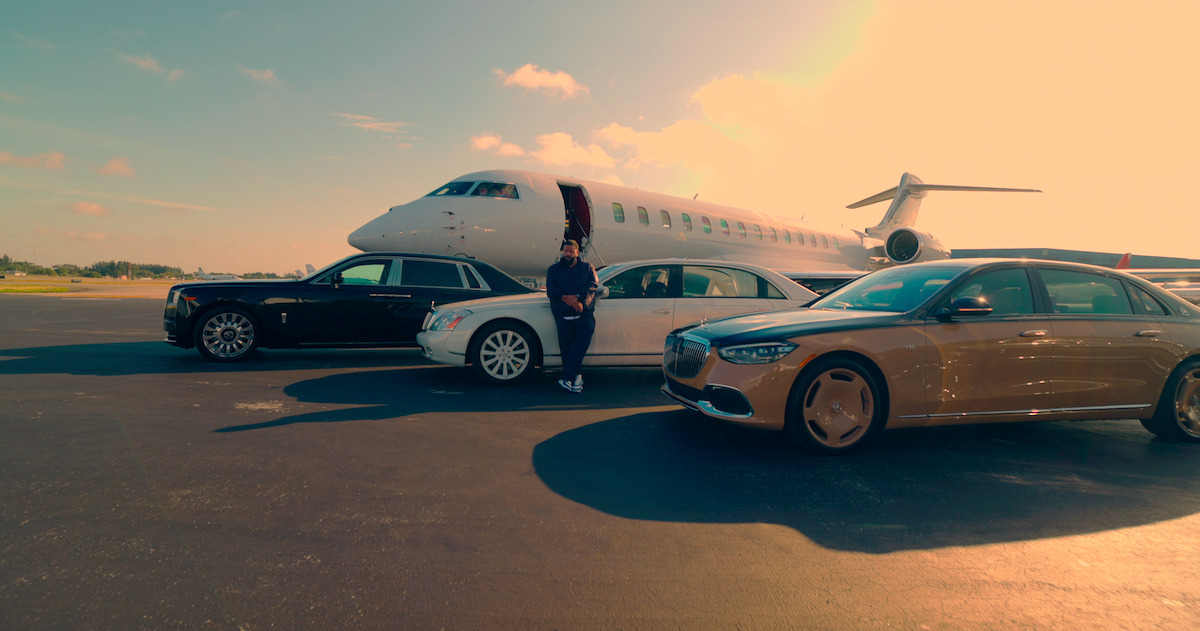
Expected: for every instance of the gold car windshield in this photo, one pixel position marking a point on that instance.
(896, 289)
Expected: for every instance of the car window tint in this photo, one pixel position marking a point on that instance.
(1081, 292)
(1144, 303)
(1007, 290)
(370, 273)
(473, 279)
(418, 273)
(703, 282)
(640, 282)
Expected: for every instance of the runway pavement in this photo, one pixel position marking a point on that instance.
(142, 487)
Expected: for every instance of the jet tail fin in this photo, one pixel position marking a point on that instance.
(906, 202)
(1124, 262)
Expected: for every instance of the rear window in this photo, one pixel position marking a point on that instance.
(430, 274)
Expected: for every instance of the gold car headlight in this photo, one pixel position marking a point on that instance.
(756, 353)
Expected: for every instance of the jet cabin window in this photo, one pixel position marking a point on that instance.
(618, 213)
(665, 217)
(706, 224)
(725, 227)
(687, 222)
(643, 216)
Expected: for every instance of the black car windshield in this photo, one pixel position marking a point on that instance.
(894, 289)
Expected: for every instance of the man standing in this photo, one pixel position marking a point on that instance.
(571, 287)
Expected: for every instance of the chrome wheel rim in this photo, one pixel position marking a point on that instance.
(228, 335)
(838, 408)
(504, 355)
(1187, 403)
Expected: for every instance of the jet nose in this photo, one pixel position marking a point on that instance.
(371, 237)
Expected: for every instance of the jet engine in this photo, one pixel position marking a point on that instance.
(906, 245)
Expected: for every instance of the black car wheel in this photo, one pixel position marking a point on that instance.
(835, 407)
(226, 334)
(1178, 413)
(504, 352)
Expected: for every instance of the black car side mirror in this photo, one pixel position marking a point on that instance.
(336, 280)
(967, 306)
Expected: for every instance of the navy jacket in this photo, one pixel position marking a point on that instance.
(563, 280)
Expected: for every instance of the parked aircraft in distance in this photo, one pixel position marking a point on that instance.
(1183, 282)
(201, 275)
(517, 220)
(307, 266)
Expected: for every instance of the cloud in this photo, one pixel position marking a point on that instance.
(143, 200)
(145, 62)
(117, 167)
(531, 77)
(53, 161)
(391, 129)
(148, 63)
(90, 208)
(11, 98)
(489, 141)
(263, 76)
(560, 149)
(33, 42)
(370, 123)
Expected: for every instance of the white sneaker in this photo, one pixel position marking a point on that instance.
(566, 385)
(578, 385)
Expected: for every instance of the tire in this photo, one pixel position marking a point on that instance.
(226, 334)
(504, 352)
(835, 407)
(1178, 414)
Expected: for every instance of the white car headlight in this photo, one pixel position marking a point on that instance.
(756, 353)
(448, 320)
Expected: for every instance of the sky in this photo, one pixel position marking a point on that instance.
(255, 136)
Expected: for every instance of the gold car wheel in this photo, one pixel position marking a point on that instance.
(837, 408)
(1178, 415)
(1187, 403)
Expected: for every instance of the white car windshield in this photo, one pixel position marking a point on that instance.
(894, 289)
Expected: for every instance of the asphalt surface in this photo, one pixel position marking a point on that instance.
(144, 488)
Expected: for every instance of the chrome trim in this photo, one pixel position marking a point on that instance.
(1038, 412)
(706, 408)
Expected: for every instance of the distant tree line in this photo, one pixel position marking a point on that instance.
(107, 269)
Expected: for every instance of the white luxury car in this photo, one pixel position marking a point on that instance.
(504, 338)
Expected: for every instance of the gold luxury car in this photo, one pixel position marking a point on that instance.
(949, 342)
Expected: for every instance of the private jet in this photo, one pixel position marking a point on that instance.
(517, 221)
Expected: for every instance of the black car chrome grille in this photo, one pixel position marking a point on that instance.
(684, 357)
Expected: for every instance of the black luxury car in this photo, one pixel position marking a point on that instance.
(375, 299)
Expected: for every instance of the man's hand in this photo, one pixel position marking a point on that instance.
(573, 302)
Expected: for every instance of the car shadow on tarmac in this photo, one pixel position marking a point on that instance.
(913, 489)
(418, 389)
(137, 358)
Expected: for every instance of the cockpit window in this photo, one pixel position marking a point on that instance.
(495, 189)
(453, 188)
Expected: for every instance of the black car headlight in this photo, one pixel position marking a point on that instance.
(756, 353)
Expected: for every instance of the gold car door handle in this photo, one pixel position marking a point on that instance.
(1037, 333)
(661, 311)
(1148, 333)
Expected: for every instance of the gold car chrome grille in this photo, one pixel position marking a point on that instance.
(685, 357)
